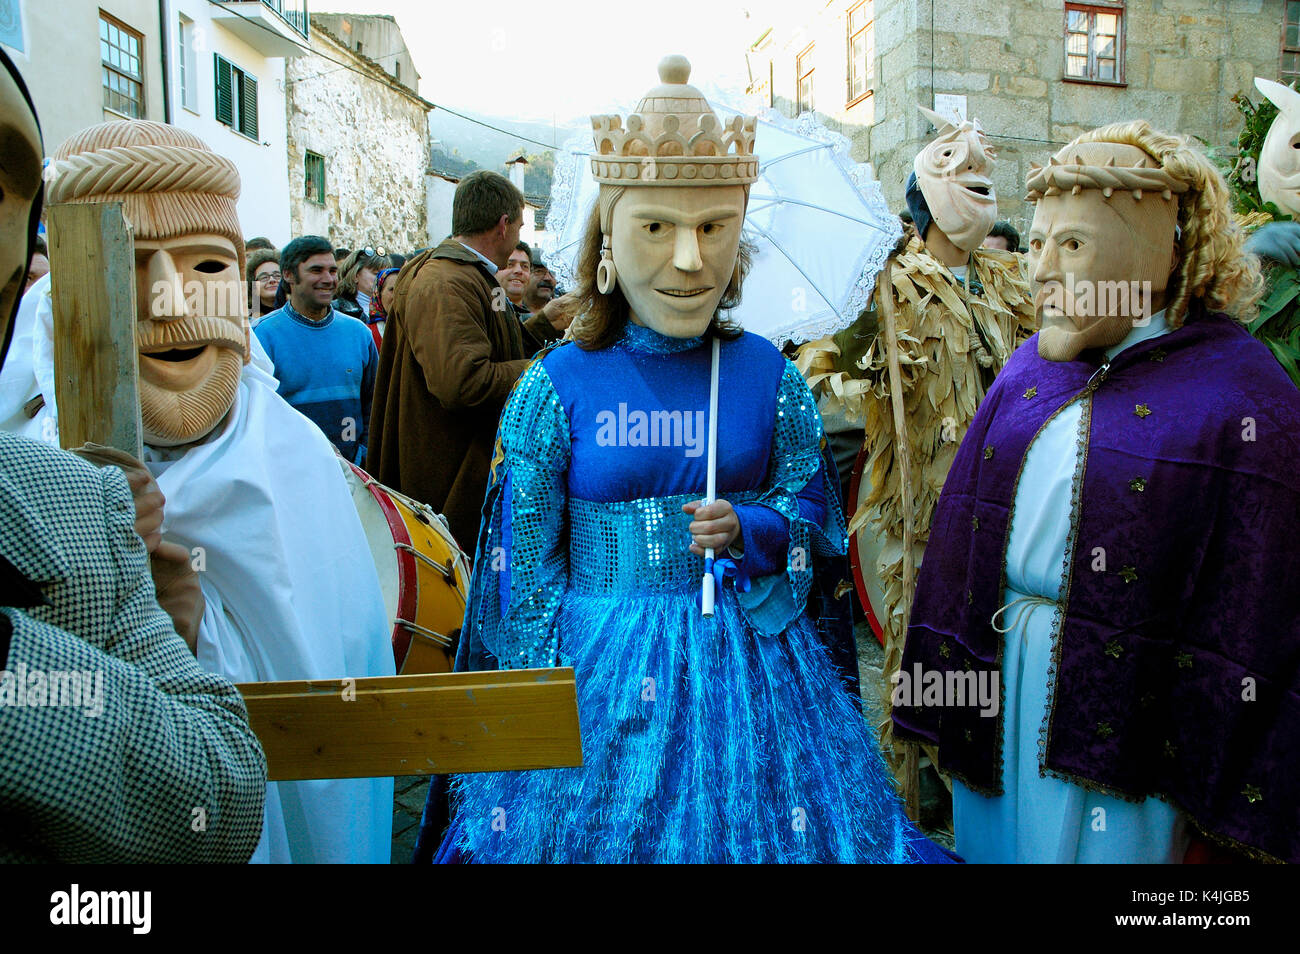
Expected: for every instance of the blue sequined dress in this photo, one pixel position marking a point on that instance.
(704, 740)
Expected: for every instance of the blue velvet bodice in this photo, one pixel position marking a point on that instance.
(607, 394)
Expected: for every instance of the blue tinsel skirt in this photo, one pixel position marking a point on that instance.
(703, 741)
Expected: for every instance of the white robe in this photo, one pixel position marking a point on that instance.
(18, 382)
(1041, 819)
(291, 593)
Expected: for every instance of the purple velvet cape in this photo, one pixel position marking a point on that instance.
(1198, 595)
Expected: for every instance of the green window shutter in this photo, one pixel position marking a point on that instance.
(225, 93)
(248, 106)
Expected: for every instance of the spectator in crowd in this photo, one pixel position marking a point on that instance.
(541, 284)
(513, 279)
(263, 275)
(38, 266)
(1003, 236)
(258, 244)
(379, 305)
(340, 254)
(357, 274)
(326, 366)
(450, 358)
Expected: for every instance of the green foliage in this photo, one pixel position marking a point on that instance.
(1278, 324)
(538, 174)
(452, 163)
(1242, 168)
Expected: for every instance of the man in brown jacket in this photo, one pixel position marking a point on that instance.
(452, 351)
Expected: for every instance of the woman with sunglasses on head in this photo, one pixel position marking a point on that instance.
(357, 275)
(263, 275)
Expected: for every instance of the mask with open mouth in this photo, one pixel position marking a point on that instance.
(955, 173)
(192, 330)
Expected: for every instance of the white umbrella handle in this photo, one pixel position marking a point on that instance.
(711, 492)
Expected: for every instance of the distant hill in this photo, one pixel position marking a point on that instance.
(489, 148)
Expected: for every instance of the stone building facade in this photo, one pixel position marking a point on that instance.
(358, 148)
(1175, 63)
(376, 36)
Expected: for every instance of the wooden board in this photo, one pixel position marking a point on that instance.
(96, 363)
(426, 724)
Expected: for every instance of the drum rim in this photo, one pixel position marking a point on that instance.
(859, 584)
(406, 568)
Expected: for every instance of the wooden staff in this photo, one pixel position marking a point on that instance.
(903, 458)
(96, 363)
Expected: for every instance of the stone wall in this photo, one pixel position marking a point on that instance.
(373, 134)
(1184, 61)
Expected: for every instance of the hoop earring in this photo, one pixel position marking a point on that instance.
(606, 275)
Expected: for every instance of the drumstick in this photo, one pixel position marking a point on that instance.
(711, 492)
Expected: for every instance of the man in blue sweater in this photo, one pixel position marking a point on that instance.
(325, 360)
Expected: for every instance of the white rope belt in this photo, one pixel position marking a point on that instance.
(1022, 605)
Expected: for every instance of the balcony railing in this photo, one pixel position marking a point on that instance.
(292, 12)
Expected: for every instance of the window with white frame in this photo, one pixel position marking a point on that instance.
(186, 71)
(121, 67)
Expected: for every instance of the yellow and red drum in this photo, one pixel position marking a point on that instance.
(424, 575)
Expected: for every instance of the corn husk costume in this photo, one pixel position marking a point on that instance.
(913, 370)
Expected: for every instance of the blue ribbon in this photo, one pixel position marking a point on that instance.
(722, 568)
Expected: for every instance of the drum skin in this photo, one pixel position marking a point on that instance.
(423, 574)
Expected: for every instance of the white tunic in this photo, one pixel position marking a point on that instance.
(1040, 818)
(290, 587)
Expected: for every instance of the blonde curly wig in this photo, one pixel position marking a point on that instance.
(1214, 266)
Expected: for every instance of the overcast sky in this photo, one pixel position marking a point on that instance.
(565, 57)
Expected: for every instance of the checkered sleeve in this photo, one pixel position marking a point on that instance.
(159, 766)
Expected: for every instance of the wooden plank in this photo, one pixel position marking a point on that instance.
(425, 724)
(96, 363)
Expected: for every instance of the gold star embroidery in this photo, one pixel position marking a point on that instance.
(1170, 749)
(1104, 730)
(969, 738)
(974, 523)
(1158, 355)
(1031, 392)
(1113, 649)
(1142, 410)
(944, 651)
(1253, 794)
(988, 452)
(1137, 484)
(1184, 660)
(1129, 573)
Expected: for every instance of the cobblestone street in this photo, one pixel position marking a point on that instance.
(410, 791)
